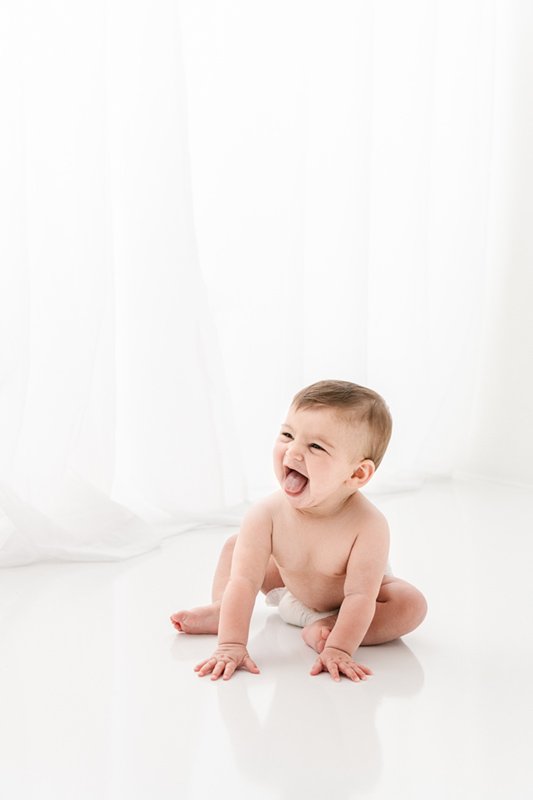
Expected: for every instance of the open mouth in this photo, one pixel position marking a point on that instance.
(294, 482)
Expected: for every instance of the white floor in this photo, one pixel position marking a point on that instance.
(98, 698)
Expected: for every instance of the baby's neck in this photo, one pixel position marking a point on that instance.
(329, 509)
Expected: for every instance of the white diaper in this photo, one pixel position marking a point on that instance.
(292, 610)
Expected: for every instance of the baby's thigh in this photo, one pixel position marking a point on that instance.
(389, 585)
(400, 591)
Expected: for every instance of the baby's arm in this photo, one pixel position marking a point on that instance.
(364, 574)
(250, 560)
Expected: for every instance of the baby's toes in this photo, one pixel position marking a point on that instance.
(177, 621)
(321, 643)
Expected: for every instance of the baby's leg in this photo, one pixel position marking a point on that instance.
(316, 634)
(204, 619)
(400, 608)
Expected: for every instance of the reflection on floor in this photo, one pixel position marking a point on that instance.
(99, 700)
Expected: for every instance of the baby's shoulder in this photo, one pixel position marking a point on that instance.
(261, 510)
(368, 516)
(271, 505)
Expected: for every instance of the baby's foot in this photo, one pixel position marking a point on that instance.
(203, 619)
(316, 634)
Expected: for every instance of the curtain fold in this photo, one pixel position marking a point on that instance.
(114, 420)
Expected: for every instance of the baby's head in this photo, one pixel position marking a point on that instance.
(362, 409)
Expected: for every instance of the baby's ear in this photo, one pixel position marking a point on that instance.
(363, 472)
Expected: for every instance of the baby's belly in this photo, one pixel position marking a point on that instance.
(318, 591)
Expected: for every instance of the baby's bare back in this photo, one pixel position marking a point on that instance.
(312, 553)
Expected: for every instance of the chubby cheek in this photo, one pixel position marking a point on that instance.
(278, 454)
(324, 482)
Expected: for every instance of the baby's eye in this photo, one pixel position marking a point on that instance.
(317, 446)
(285, 433)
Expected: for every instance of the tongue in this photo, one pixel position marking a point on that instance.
(294, 482)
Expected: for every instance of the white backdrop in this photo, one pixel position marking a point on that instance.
(362, 179)
(206, 206)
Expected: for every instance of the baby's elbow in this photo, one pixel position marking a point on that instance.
(360, 599)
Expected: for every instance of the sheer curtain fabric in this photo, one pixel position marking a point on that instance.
(207, 206)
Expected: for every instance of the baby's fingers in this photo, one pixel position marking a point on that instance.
(250, 665)
(331, 667)
(317, 667)
(226, 667)
(205, 666)
(351, 672)
(231, 666)
(355, 672)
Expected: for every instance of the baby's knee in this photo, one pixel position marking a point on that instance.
(414, 605)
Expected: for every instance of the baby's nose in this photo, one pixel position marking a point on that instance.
(294, 451)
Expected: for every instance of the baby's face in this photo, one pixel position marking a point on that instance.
(315, 455)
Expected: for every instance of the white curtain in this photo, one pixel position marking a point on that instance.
(364, 212)
(115, 426)
(207, 205)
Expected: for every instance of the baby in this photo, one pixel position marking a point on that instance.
(318, 547)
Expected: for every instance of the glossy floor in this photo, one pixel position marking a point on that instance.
(99, 700)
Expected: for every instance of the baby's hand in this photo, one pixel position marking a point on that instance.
(335, 661)
(225, 660)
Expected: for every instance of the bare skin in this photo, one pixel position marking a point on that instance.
(324, 541)
(203, 619)
(400, 608)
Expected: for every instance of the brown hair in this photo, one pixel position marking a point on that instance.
(363, 406)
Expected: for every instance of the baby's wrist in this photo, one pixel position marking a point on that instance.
(232, 644)
(336, 647)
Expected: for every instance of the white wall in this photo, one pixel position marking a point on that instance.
(361, 185)
(501, 444)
